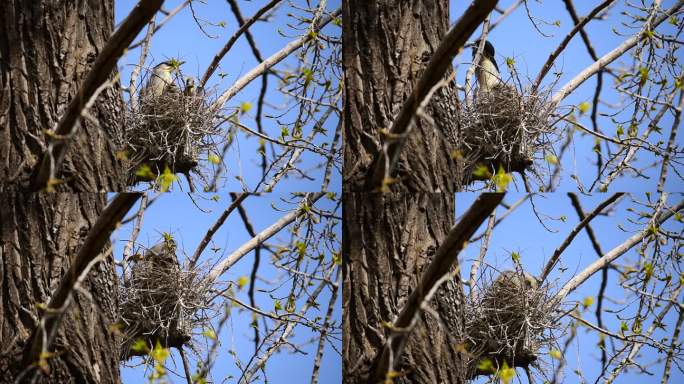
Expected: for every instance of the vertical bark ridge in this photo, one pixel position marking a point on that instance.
(386, 46)
(46, 50)
(387, 241)
(39, 236)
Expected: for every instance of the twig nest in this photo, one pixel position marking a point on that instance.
(509, 320)
(505, 128)
(170, 129)
(161, 301)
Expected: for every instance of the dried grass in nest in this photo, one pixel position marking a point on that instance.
(162, 302)
(169, 130)
(509, 321)
(506, 127)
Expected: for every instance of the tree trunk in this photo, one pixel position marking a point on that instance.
(46, 50)
(39, 234)
(389, 238)
(386, 46)
(387, 241)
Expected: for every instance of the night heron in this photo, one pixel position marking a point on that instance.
(162, 78)
(487, 71)
(163, 255)
(528, 281)
(190, 88)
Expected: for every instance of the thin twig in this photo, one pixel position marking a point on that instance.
(615, 253)
(571, 236)
(262, 236)
(52, 158)
(438, 271)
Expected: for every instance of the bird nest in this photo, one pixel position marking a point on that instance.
(161, 302)
(505, 128)
(168, 130)
(508, 320)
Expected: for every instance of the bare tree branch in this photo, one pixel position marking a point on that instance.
(255, 267)
(483, 251)
(219, 222)
(611, 56)
(671, 143)
(554, 55)
(673, 345)
(52, 159)
(614, 253)
(469, 94)
(169, 16)
(441, 60)
(244, 27)
(571, 236)
(326, 326)
(99, 233)
(604, 272)
(444, 260)
(501, 218)
(270, 62)
(134, 235)
(507, 12)
(636, 347)
(132, 88)
(262, 236)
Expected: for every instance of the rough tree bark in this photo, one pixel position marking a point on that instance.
(386, 46)
(39, 235)
(389, 238)
(387, 241)
(46, 49)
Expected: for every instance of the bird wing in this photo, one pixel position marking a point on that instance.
(493, 60)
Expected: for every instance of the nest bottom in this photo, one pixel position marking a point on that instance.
(160, 303)
(504, 129)
(509, 321)
(168, 130)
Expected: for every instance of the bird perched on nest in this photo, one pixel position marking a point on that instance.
(523, 279)
(161, 79)
(487, 71)
(163, 255)
(190, 88)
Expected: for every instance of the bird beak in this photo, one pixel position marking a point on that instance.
(470, 44)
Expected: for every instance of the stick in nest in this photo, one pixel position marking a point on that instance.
(509, 320)
(161, 302)
(506, 128)
(169, 129)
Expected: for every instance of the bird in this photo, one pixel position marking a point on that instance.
(163, 255)
(161, 78)
(487, 71)
(529, 281)
(190, 88)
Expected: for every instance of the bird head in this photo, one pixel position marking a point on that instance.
(190, 88)
(530, 282)
(487, 51)
(162, 78)
(170, 65)
(166, 68)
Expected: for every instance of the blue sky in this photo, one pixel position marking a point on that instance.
(522, 232)
(178, 215)
(517, 38)
(181, 38)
